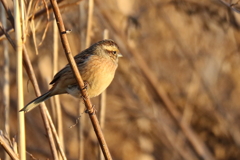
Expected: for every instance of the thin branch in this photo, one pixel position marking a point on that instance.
(7, 147)
(9, 13)
(7, 36)
(38, 14)
(29, 69)
(43, 108)
(60, 147)
(88, 104)
(46, 28)
(233, 6)
(32, 25)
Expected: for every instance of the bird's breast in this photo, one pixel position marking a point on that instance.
(99, 73)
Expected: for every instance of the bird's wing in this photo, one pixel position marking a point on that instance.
(80, 59)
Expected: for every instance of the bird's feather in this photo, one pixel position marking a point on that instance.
(36, 101)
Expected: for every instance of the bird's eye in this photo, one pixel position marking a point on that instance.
(114, 52)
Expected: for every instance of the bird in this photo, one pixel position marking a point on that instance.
(97, 66)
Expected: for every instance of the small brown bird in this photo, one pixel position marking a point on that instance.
(97, 65)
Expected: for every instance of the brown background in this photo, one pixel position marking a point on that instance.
(191, 49)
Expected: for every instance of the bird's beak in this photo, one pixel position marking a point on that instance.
(120, 55)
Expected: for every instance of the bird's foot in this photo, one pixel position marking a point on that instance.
(91, 111)
(85, 86)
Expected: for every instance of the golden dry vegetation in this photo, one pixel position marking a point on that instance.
(175, 94)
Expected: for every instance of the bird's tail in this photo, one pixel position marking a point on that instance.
(31, 105)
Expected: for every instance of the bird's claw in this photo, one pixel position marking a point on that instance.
(91, 111)
(85, 86)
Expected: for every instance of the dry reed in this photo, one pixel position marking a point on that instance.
(89, 106)
(82, 119)
(190, 50)
(102, 101)
(31, 74)
(6, 87)
(19, 49)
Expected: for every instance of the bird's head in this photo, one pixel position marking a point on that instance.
(108, 48)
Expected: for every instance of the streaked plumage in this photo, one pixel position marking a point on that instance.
(97, 66)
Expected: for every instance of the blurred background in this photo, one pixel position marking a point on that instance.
(176, 90)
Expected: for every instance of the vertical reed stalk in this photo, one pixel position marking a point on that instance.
(32, 77)
(103, 96)
(19, 50)
(56, 98)
(22, 6)
(89, 25)
(6, 80)
(81, 126)
(102, 100)
(82, 22)
(82, 120)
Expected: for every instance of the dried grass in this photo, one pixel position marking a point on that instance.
(190, 47)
